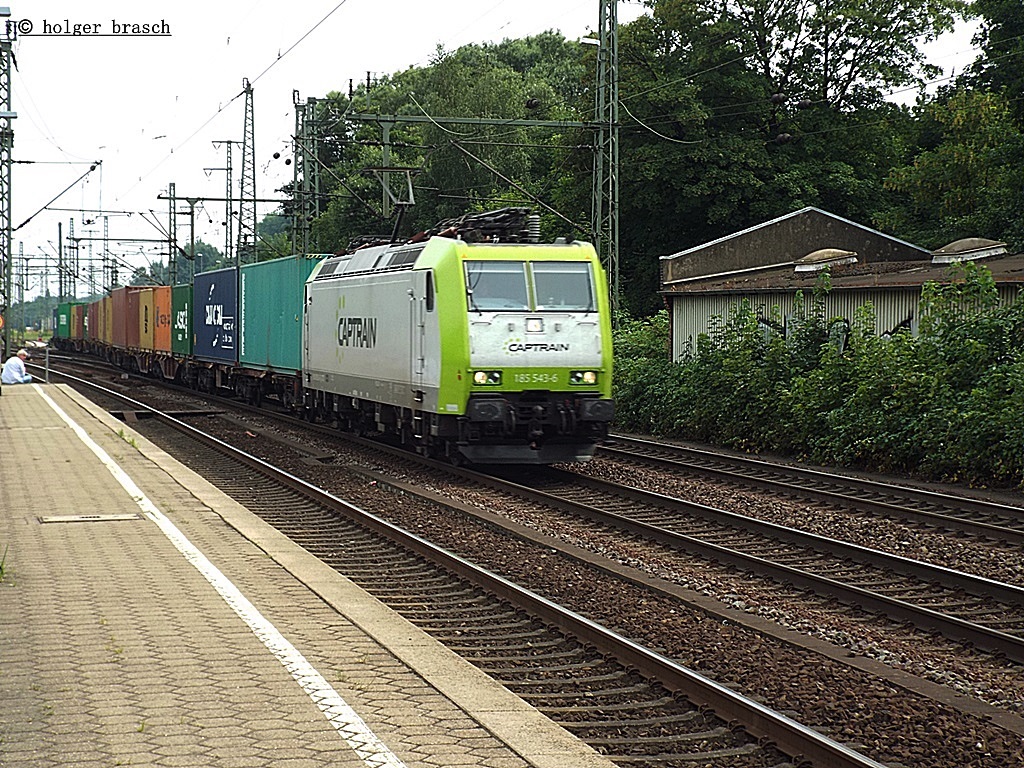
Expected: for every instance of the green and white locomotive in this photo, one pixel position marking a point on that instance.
(496, 351)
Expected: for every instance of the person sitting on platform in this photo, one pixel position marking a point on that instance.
(14, 370)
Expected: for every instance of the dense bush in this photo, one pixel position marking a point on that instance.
(947, 403)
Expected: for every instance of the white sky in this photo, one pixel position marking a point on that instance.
(151, 107)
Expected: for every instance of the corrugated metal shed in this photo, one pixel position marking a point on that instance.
(767, 265)
(781, 242)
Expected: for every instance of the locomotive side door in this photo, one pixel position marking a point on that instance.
(307, 302)
(419, 299)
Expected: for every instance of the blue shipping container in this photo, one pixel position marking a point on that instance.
(214, 316)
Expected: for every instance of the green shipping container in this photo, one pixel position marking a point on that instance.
(181, 320)
(271, 297)
(69, 320)
(62, 322)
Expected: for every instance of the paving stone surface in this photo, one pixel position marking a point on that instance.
(115, 651)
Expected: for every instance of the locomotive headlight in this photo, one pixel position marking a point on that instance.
(487, 378)
(584, 378)
(535, 325)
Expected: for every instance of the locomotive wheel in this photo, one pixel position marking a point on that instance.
(455, 458)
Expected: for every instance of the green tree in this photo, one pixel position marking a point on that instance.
(457, 168)
(188, 264)
(968, 184)
(1000, 68)
(722, 131)
(844, 53)
(273, 237)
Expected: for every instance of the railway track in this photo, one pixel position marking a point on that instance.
(637, 706)
(764, 678)
(976, 517)
(982, 612)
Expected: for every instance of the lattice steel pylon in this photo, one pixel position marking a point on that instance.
(229, 200)
(6, 148)
(605, 198)
(306, 173)
(246, 251)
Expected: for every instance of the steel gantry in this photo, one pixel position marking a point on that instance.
(306, 173)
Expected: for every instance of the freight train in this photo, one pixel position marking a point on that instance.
(473, 342)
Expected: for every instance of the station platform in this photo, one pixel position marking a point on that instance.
(146, 619)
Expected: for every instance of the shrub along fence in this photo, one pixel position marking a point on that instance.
(946, 404)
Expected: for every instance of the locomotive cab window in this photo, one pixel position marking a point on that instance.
(566, 286)
(497, 285)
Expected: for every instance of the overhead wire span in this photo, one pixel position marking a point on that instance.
(297, 42)
(235, 97)
(431, 119)
(659, 135)
(500, 175)
(92, 168)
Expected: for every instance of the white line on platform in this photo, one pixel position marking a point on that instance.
(350, 725)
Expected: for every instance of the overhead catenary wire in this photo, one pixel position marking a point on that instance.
(92, 168)
(233, 99)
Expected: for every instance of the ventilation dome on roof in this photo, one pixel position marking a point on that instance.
(815, 261)
(968, 249)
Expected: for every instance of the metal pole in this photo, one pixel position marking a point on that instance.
(247, 187)
(6, 148)
(172, 230)
(21, 290)
(605, 203)
(60, 263)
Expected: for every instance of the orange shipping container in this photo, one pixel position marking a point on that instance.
(162, 318)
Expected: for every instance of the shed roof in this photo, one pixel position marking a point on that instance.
(766, 257)
(1007, 270)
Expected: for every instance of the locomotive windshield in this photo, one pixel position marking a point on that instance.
(563, 286)
(497, 285)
